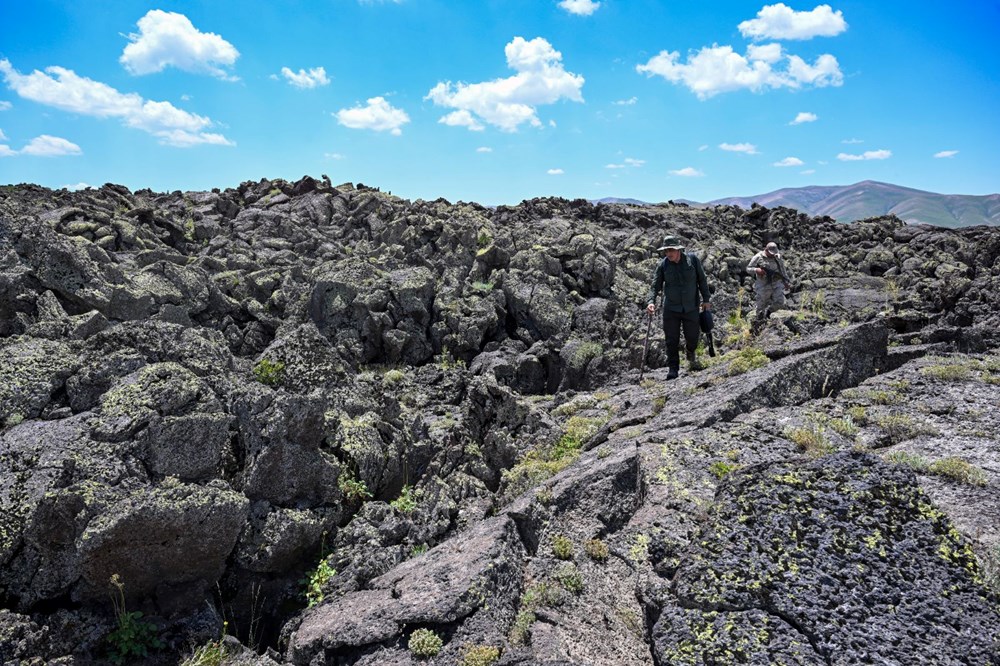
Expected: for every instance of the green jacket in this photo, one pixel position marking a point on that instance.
(681, 284)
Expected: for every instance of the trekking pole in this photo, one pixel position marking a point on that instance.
(645, 346)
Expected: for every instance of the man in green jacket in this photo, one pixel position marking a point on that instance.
(685, 293)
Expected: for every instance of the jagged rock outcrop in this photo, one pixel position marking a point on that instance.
(332, 417)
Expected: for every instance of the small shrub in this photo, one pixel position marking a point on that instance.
(353, 488)
(482, 287)
(659, 402)
(989, 567)
(480, 655)
(419, 549)
(858, 414)
(901, 427)
(721, 468)
(15, 419)
(639, 552)
(406, 502)
(747, 359)
(485, 238)
(905, 458)
(596, 550)
(844, 426)
(542, 594)
(131, 637)
(951, 372)
(212, 653)
(810, 440)
(520, 632)
(603, 452)
(958, 470)
(569, 577)
(269, 372)
(315, 581)
(394, 376)
(424, 643)
(886, 397)
(562, 547)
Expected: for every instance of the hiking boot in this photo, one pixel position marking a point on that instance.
(693, 362)
(672, 373)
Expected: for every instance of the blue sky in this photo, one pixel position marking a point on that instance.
(496, 101)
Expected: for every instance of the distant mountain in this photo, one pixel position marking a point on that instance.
(870, 198)
(619, 200)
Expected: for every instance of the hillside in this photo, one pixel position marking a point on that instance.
(299, 423)
(873, 199)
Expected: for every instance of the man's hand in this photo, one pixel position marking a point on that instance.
(760, 271)
(706, 306)
(651, 308)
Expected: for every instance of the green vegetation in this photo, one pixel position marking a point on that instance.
(131, 637)
(394, 376)
(844, 426)
(659, 402)
(269, 372)
(484, 239)
(562, 547)
(547, 461)
(958, 470)
(316, 579)
(915, 462)
(212, 653)
(596, 550)
(353, 488)
(424, 643)
(901, 427)
(989, 567)
(479, 655)
(533, 598)
(951, 372)
(885, 397)
(482, 287)
(858, 414)
(406, 502)
(639, 552)
(811, 440)
(747, 359)
(720, 468)
(569, 577)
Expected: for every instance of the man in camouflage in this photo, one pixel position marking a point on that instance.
(682, 278)
(772, 280)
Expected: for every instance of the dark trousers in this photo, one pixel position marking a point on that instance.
(673, 322)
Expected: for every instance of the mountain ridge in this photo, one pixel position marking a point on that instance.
(870, 198)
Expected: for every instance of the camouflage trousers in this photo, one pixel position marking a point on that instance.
(770, 297)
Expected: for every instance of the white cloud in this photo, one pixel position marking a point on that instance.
(804, 117)
(378, 115)
(943, 153)
(5, 106)
(77, 187)
(462, 118)
(687, 172)
(867, 155)
(5, 151)
(807, 172)
(789, 162)
(484, 149)
(333, 156)
(769, 53)
(716, 69)
(782, 22)
(63, 89)
(626, 102)
(702, 148)
(50, 146)
(747, 148)
(614, 166)
(852, 141)
(312, 78)
(510, 102)
(626, 163)
(555, 172)
(580, 7)
(168, 39)
(3, 137)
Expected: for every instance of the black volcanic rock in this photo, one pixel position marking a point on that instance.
(210, 394)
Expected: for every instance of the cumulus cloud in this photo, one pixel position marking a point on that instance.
(782, 22)
(508, 103)
(43, 146)
(76, 187)
(789, 162)
(626, 163)
(377, 115)
(312, 78)
(333, 156)
(717, 69)
(852, 141)
(626, 102)
(5, 106)
(943, 153)
(804, 117)
(3, 137)
(484, 149)
(63, 89)
(462, 118)
(867, 155)
(580, 7)
(747, 148)
(687, 172)
(168, 39)
(555, 172)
